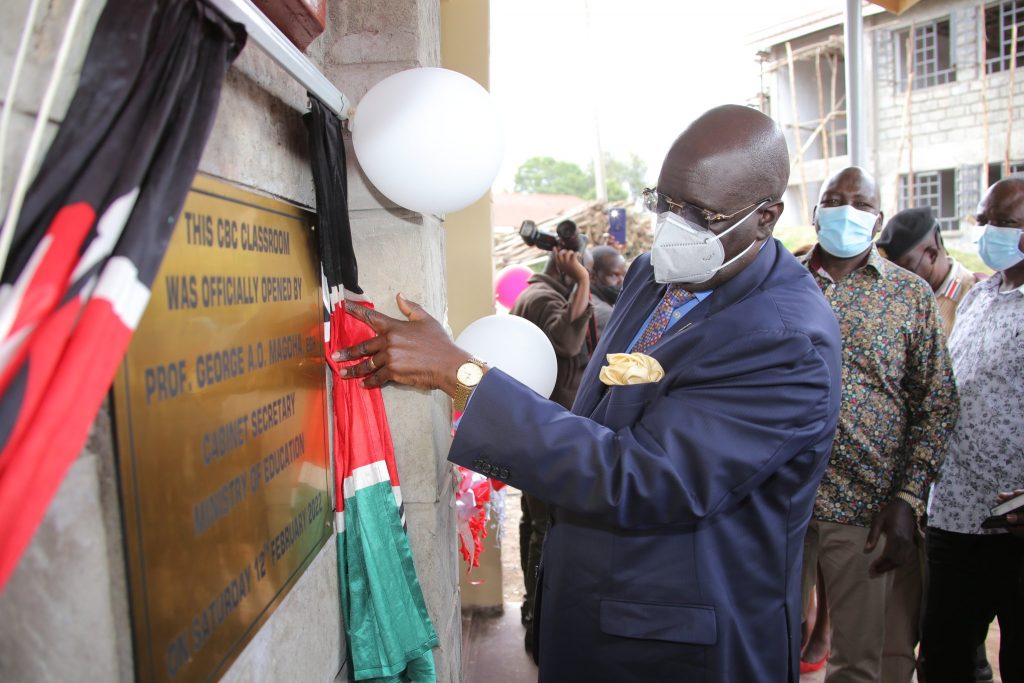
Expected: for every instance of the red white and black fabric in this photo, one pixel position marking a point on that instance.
(91, 236)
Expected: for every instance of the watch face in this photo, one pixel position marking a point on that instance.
(469, 374)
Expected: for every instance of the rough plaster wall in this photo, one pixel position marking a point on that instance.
(65, 610)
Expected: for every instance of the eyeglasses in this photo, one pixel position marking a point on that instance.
(659, 203)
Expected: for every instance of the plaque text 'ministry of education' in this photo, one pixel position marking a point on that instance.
(220, 419)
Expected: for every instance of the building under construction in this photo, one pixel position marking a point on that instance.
(943, 89)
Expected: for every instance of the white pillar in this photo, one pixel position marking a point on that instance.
(856, 138)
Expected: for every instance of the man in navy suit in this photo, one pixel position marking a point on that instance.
(679, 505)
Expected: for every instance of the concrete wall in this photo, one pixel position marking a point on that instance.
(465, 47)
(947, 119)
(65, 613)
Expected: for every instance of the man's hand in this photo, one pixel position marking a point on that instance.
(416, 352)
(570, 263)
(897, 521)
(1014, 520)
(609, 241)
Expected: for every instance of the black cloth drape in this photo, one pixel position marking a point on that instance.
(327, 158)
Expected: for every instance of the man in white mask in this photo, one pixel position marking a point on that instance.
(679, 496)
(899, 406)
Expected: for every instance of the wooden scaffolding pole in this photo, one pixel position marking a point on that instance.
(1009, 102)
(821, 110)
(833, 62)
(804, 215)
(984, 98)
(906, 140)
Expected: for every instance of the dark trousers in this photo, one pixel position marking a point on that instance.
(532, 528)
(971, 580)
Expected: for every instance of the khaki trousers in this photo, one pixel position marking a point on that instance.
(862, 610)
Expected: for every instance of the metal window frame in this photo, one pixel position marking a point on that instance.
(1010, 12)
(927, 58)
(928, 192)
(269, 38)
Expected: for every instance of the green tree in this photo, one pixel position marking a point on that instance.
(546, 175)
(624, 179)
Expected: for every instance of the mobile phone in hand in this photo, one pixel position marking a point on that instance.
(617, 225)
(997, 515)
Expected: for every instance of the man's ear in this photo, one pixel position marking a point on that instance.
(769, 217)
(878, 225)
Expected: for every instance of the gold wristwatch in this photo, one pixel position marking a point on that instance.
(467, 377)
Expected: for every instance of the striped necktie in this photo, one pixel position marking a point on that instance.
(675, 296)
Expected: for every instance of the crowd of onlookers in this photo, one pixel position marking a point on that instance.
(930, 434)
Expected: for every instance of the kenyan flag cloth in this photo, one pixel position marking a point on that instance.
(389, 632)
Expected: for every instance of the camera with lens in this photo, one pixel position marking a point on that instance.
(567, 236)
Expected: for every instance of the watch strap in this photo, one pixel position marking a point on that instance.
(913, 501)
(463, 391)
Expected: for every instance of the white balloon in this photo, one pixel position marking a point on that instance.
(429, 139)
(516, 346)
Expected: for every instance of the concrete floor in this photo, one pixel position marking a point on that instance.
(492, 649)
(492, 644)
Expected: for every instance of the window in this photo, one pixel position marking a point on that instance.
(936, 189)
(931, 54)
(968, 189)
(995, 171)
(999, 22)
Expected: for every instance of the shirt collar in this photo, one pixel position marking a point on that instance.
(951, 286)
(812, 260)
(997, 281)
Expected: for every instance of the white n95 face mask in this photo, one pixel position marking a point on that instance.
(685, 253)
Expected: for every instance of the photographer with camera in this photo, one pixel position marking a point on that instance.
(557, 301)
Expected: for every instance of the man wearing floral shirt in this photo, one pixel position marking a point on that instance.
(976, 574)
(899, 405)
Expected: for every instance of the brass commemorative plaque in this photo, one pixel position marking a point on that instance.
(220, 416)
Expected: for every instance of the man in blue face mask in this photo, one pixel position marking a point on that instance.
(899, 405)
(975, 572)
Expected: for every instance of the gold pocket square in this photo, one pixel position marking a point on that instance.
(630, 368)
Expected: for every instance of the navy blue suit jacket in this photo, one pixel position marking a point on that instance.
(680, 506)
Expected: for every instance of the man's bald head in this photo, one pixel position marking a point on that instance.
(1004, 198)
(727, 158)
(1007, 190)
(859, 182)
(732, 161)
(605, 258)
